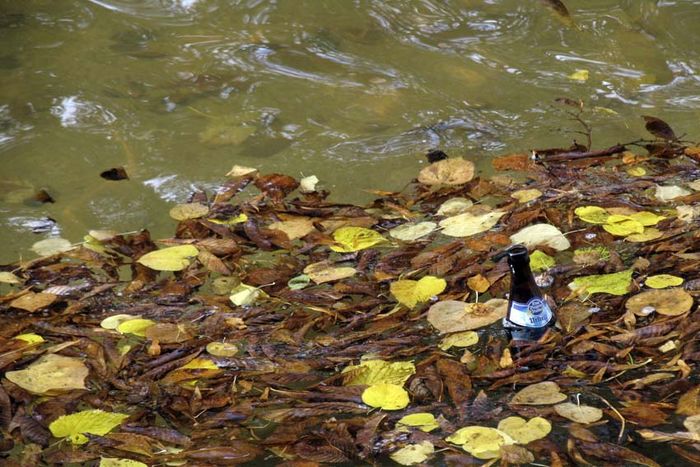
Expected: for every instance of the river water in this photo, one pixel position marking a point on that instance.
(353, 91)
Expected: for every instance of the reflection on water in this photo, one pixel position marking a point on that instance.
(355, 92)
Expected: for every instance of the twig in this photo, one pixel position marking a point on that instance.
(622, 419)
(571, 156)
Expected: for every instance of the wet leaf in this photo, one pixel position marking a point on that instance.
(222, 349)
(174, 258)
(646, 218)
(9, 278)
(617, 283)
(244, 295)
(454, 206)
(410, 292)
(467, 224)
(525, 196)
(299, 282)
(240, 171)
(30, 338)
(50, 375)
(541, 234)
(578, 413)
(113, 322)
(669, 193)
(308, 184)
(96, 422)
(119, 462)
(647, 235)
(579, 75)
(32, 302)
(412, 232)
(51, 246)
(480, 441)
(524, 432)
(692, 424)
(663, 281)
(478, 283)
(371, 372)
(349, 239)
(453, 316)
(459, 339)
(136, 326)
(540, 261)
(636, 171)
(183, 212)
(326, 272)
(385, 396)
(623, 226)
(544, 393)
(592, 214)
(115, 174)
(667, 302)
(424, 421)
(413, 453)
(454, 171)
(659, 128)
(294, 227)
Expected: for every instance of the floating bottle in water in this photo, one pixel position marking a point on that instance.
(529, 315)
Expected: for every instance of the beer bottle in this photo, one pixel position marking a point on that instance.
(529, 315)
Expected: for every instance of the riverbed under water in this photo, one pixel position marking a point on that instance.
(354, 92)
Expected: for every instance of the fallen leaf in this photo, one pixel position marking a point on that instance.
(591, 255)
(541, 234)
(410, 292)
(119, 462)
(174, 258)
(544, 393)
(478, 283)
(459, 339)
(514, 454)
(578, 413)
(692, 424)
(525, 196)
(453, 316)
(182, 212)
(412, 232)
(455, 171)
(592, 214)
(540, 261)
(136, 326)
(636, 171)
(468, 224)
(370, 372)
(95, 422)
(113, 322)
(616, 283)
(30, 338)
(51, 246)
(413, 453)
(240, 171)
(9, 278)
(667, 302)
(622, 226)
(349, 239)
(480, 441)
(294, 227)
(32, 302)
(222, 349)
(647, 235)
(663, 281)
(454, 206)
(51, 374)
(244, 295)
(424, 421)
(308, 184)
(385, 396)
(669, 193)
(579, 75)
(524, 432)
(325, 272)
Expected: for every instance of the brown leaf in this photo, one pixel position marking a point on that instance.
(276, 186)
(236, 452)
(518, 162)
(32, 302)
(614, 453)
(689, 403)
(659, 128)
(457, 380)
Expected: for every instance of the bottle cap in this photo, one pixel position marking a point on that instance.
(516, 254)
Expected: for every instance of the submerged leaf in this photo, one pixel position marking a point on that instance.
(410, 293)
(349, 239)
(51, 246)
(649, 233)
(412, 232)
(467, 224)
(454, 206)
(663, 281)
(386, 396)
(186, 211)
(95, 422)
(413, 453)
(424, 421)
(668, 302)
(50, 375)
(452, 316)
(616, 283)
(544, 393)
(325, 272)
(459, 339)
(480, 441)
(378, 371)
(592, 214)
(524, 432)
(174, 258)
(578, 413)
(244, 295)
(525, 196)
(454, 171)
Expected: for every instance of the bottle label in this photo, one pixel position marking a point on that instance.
(533, 314)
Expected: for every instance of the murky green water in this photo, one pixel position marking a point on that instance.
(353, 91)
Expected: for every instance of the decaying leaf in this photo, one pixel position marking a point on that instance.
(668, 302)
(467, 224)
(453, 316)
(32, 302)
(524, 432)
(544, 393)
(455, 171)
(454, 206)
(294, 227)
(50, 375)
(412, 232)
(459, 339)
(413, 453)
(525, 196)
(478, 283)
(244, 294)
(541, 234)
(120, 462)
(578, 413)
(326, 272)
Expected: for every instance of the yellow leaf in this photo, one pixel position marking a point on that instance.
(459, 339)
(294, 227)
(544, 393)
(480, 441)
(454, 206)
(413, 453)
(661, 281)
(649, 233)
(244, 294)
(95, 422)
(467, 224)
(222, 349)
(52, 374)
(525, 196)
(623, 225)
(51, 246)
(324, 271)
(181, 212)
(579, 75)
(578, 413)
(308, 184)
(242, 217)
(540, 261)
(385, 396)
(616, 283)
(424, 421)
(199, 364)
(349, 239)
(174, 258)
(30, 338)
(113, 322)
(478, 283)
(240, 170)
(410, 293)
(454, 171)
(592, 214)
(117, 462)
(525, 432)
(136, 326)
(378, 371)
(636, 171)
(7, 277)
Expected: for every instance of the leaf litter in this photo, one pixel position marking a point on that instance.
(268, 326)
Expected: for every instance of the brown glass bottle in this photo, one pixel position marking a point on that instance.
(529, 315)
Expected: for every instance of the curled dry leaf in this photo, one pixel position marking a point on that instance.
(578, 413)
(453, 316)
(544, 393)
(454, 171)
(668, 302)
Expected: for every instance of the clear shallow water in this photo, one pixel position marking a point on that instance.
(355, 92)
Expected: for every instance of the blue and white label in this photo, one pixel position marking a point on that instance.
(533, 314)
